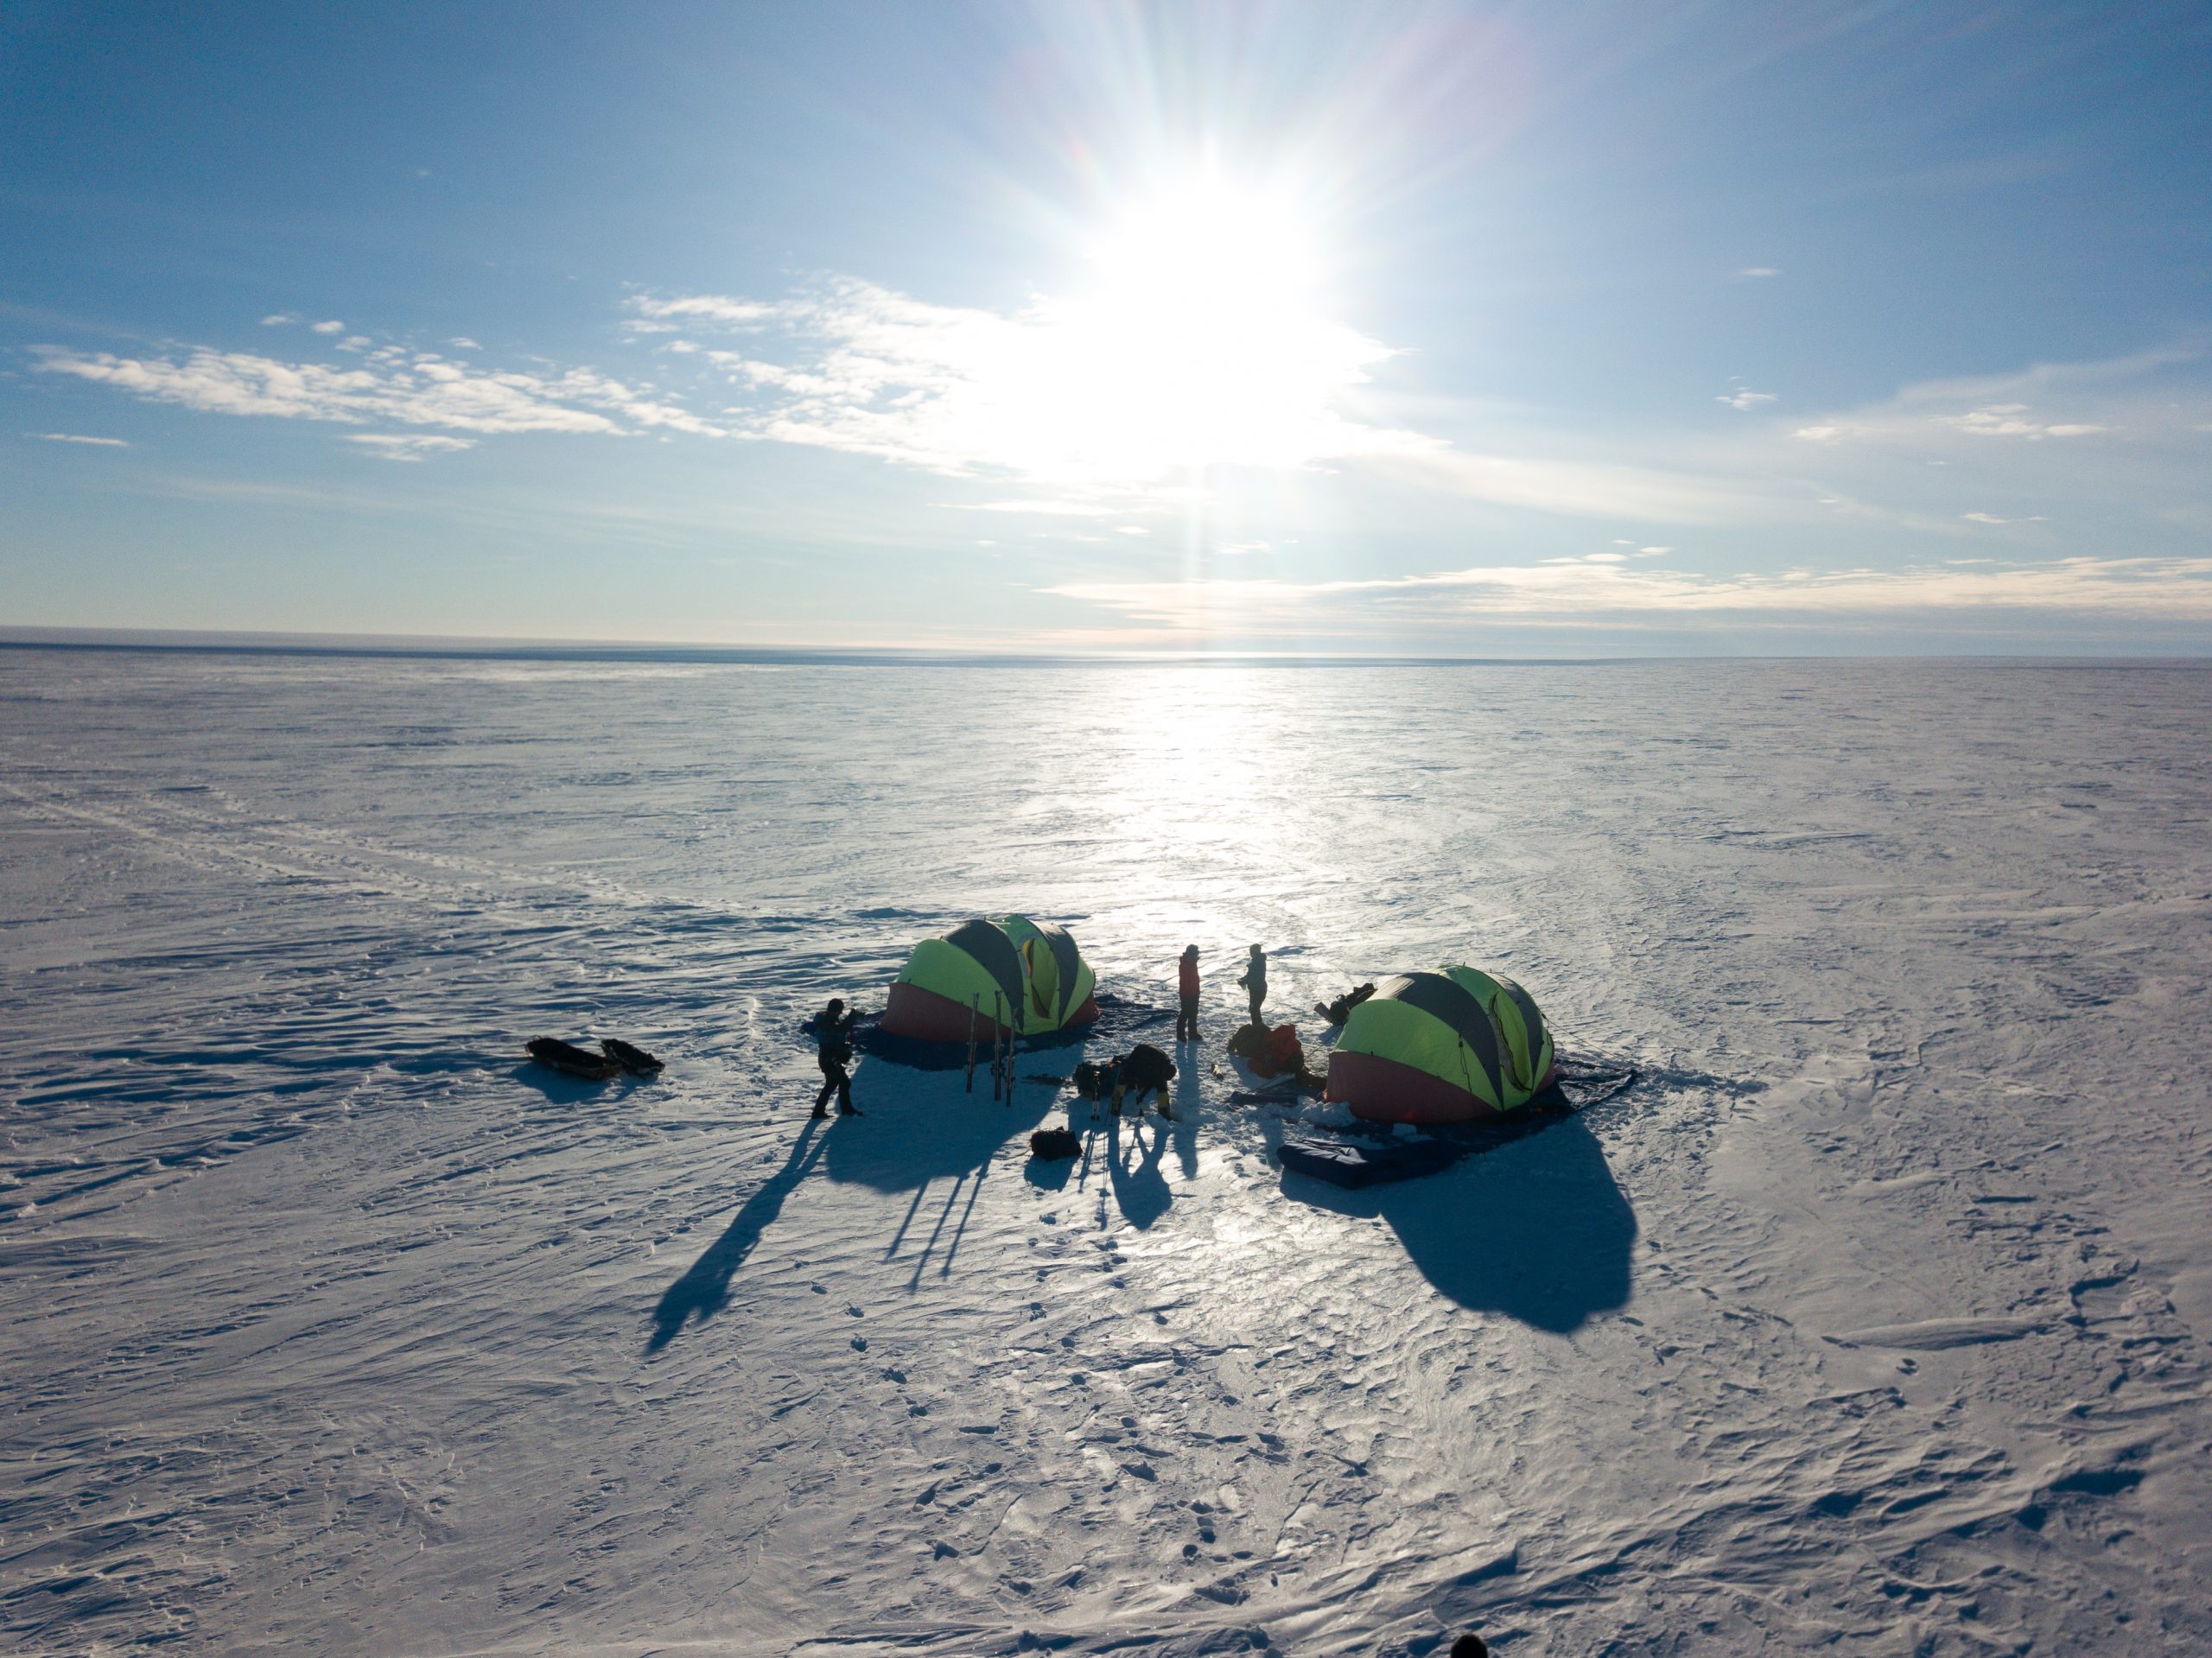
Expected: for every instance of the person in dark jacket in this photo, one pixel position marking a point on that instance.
(1255, 980)
(1186, 986)
(833, 1053)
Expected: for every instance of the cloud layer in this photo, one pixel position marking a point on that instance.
(1598, 590)
(388, 385)
(1069, 394)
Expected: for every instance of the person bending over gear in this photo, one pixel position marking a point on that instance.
(1186, 986)
(833, 1053)
(1338, 1012)
(1255, 980)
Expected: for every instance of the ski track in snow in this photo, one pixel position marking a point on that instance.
(1873, 1319)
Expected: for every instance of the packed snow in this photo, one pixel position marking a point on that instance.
(1874, 1318)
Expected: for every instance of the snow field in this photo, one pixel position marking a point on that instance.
(1874, 1320)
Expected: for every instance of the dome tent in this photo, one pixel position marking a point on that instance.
(1009, 971)
(1441, 1047)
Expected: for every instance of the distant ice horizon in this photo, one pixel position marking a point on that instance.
(524, 648)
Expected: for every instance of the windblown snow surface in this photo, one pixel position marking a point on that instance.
(1875, 1319)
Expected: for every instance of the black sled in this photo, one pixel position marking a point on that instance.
(633, 1059)
(571, 1061)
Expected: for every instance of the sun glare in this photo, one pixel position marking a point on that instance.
(1207, 250)
(1199, 340)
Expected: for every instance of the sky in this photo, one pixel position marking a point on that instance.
(1430, 329)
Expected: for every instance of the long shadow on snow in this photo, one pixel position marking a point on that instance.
(905, 1141)
(704, 1291)
(1536, 1229)
(1131, 1149)
(1139, 1186)
(908, 1143)
(561, 1089)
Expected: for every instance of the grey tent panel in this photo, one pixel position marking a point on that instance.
(1441, 999)
(1068, 958)
(995, 951)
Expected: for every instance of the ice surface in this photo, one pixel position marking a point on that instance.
(1873, 1320)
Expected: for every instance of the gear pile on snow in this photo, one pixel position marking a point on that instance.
(1054, 1144)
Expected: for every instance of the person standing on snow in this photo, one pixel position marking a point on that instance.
(1186, 985)
(833, 1053)
(1255, 980)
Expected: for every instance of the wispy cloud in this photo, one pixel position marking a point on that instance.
(1757, 273)
(1745, 397)
(1577, 488)
(328, 328)
(705, 308)
(1600, 589)
(1045, 509)
(79, 438)
(2014, 420)
(1062, 393)
(2047, 400)
(408, 446)
(390, 386)
(1096, 404)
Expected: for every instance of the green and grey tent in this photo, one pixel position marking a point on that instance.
(1004, 972)
(1441, 1047)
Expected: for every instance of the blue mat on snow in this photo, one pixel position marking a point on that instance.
(1370, 1156)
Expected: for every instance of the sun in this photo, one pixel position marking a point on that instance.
(1206, 253)
(1201, 339)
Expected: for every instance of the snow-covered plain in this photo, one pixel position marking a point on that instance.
(1875, 1319)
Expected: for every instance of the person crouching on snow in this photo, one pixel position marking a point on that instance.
(1255, 980)
(833, 1053)
(1186, 986)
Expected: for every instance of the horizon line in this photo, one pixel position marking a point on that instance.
(497, 647)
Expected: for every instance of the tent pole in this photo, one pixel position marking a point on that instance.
(974, 1007)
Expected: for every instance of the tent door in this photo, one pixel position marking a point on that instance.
(1043, 970)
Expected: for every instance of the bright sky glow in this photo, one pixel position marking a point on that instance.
(1197, 338)
(1426, 326)
(1202, 344)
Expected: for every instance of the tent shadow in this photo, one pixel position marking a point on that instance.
(704, 1289)
(1536, 1229)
